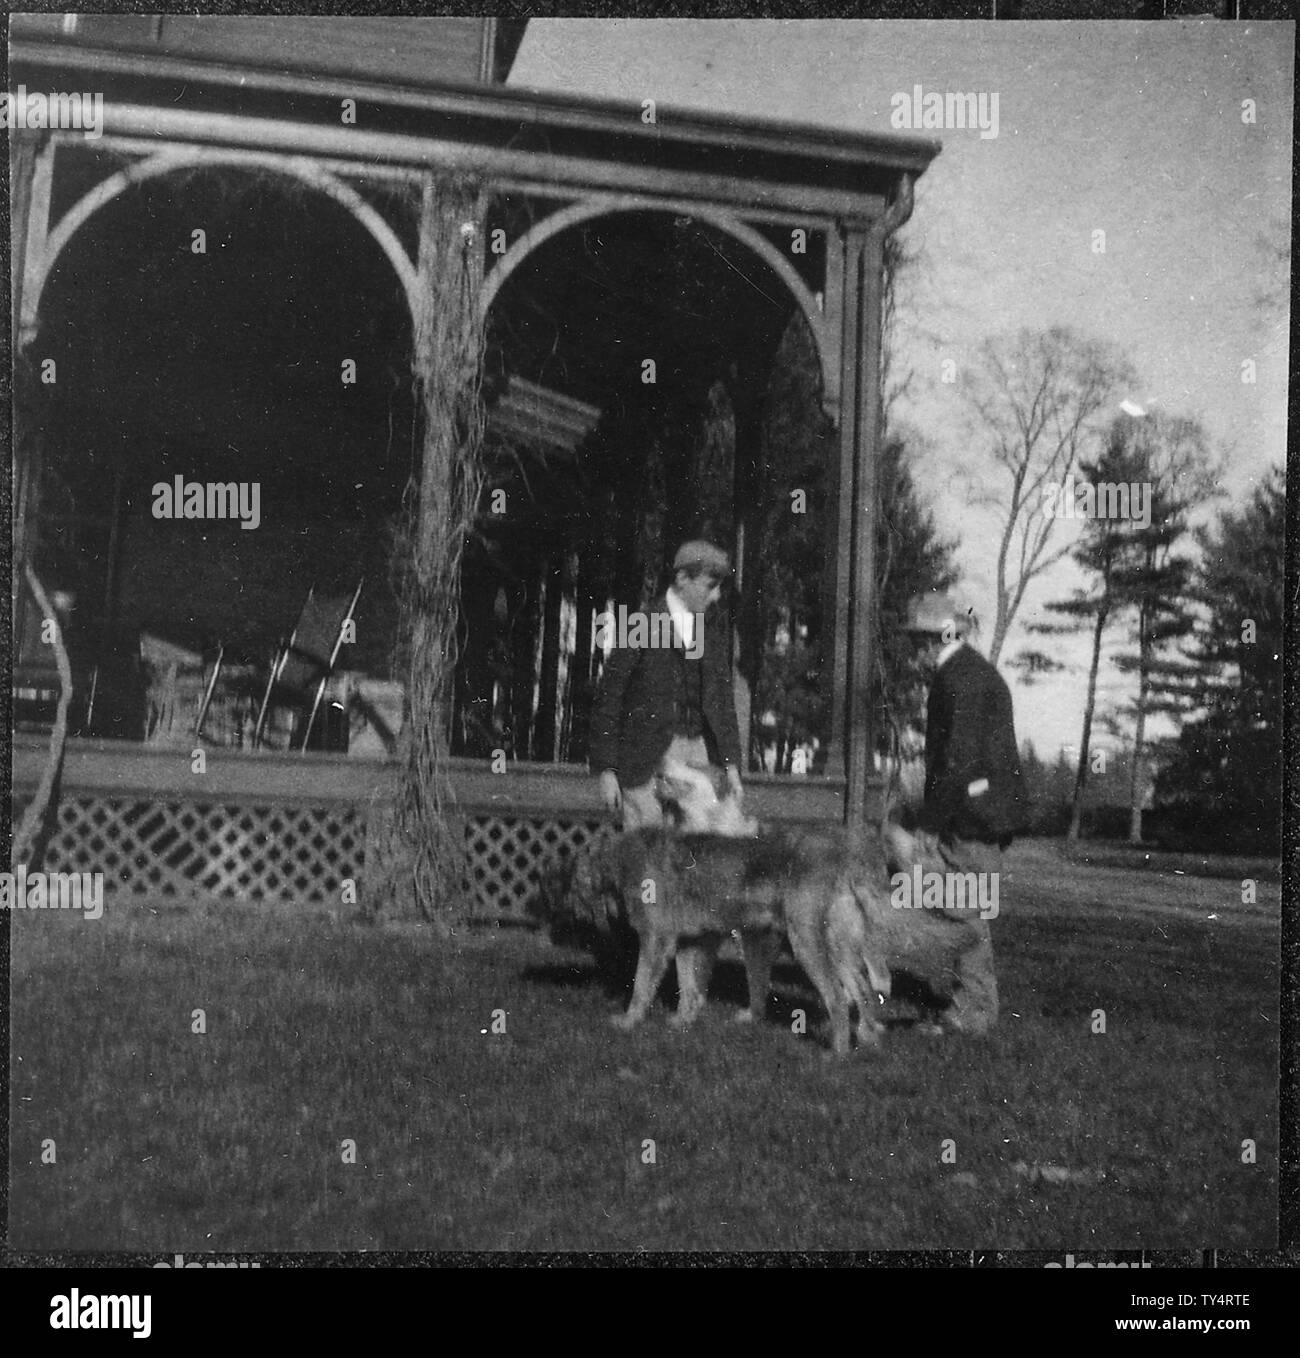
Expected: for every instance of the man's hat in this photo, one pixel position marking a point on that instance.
(933, 614)
(702, 556)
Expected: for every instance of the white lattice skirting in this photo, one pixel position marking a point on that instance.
(507, 856)
(284, 853)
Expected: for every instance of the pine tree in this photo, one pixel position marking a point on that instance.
(1134, 568)
(1224, 773)
(1173, 458)
(1103, 548)
(1033, 777)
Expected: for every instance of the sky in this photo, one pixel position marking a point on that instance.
(1135, 129)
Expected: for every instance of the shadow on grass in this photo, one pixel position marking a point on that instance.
(912, 1002)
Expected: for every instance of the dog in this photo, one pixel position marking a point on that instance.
(700, 887)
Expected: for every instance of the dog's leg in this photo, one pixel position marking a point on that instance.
(694, 972)
(975, 1005)
(759, 948)
(870, 1028)
(656, 952)
(853, 955)
(849, 971)
(806, 925)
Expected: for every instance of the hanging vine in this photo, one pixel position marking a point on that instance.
(420, 857)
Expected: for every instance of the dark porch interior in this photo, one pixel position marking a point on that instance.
(226, 366)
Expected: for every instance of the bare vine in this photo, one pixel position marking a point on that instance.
(421, 852)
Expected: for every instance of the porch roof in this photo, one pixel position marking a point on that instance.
(514, 135)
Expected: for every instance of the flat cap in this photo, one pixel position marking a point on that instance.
(702, 556)
(934, 613)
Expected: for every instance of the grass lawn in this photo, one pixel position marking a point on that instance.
(322, 1029)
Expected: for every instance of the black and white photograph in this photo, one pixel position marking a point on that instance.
(648, 636)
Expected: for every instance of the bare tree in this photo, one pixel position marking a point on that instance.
(1037, 398)
(902, 264)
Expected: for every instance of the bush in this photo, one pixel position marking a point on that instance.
(1184, 826)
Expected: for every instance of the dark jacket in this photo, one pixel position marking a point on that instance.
(970, 735)
(636, 711)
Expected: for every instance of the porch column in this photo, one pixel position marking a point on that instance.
(855, 544)
(860, 430)
(863, 416)
(844, 272)
(750, 477)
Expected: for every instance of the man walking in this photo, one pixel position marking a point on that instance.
(974, 794)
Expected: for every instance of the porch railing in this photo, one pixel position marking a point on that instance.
(294, 827)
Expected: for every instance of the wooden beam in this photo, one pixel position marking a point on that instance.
(807, 151)
(130, 771)
(525, 167)
(543, 191)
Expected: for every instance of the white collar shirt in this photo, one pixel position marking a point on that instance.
(683, 618)
(948, 652)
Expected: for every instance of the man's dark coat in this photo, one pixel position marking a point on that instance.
(636, 711)
(970, 736)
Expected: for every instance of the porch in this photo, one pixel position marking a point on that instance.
(744, 259)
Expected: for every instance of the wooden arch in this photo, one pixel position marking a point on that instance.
(41, 260)
(589, 208)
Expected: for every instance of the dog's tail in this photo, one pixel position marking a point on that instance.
(859, 964)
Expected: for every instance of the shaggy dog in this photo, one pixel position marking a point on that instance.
(670, 887)
(644, 894)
